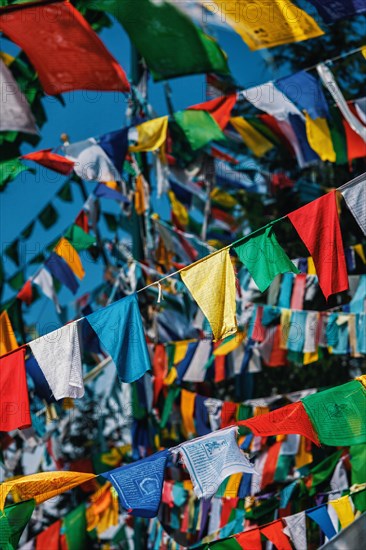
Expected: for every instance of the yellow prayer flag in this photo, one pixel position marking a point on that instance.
(180, 350)
(42, 486)
(303, 456)
(266, 24)
(230, 345)
(140, 198)
(253, 139)
(310, 357)
(232, 487)
(311, 266)
(212, 285)
(103, 512)
(225, 200)
(319, 138)
(362, 379)
(6, 58)
(65, 249)
(172, 375)
(8, 342)
(285, 327)
(187, 400)
(151, 135)
(178, 209)
(358, 248)
(344, 510)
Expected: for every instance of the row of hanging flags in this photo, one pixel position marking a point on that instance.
(332, 417)
(298, 118)
(119, 326)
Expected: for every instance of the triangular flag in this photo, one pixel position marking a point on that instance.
(42, 486)
(78, 238)
(26, 293)
(50, 537)
(8, 342)
(51, 160)
(216, 302)
(321, 516)
(139, 485)
(44, 280)
(91, 162)
(344, 510)
(66, 36)
(354, 193)
(16, 114)
(119, 328)
(199, 127)
(71, 257)
(264, 257)
(219, 108)
(317, 224)
(62, 272)
(150, 135)
(274, 533)
(296, 530)
(250, 540)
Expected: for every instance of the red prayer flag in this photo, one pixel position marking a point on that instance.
(291, 419)
(82, 221)
(219, 108)
(228, 505)
(51, 160)
(356, 147)
(270, 464)
(63, 48)
(14, 401)
(317, 224)
(26, 293)
(50, 537)
(298, 292)
(273, 125)
(274, 533)
(250, 540)
(228, 414)
(159, 370)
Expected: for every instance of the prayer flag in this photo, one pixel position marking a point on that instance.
(321, 516)
(291, 419)
(26, 293)
(296, 530)
(103, 191)
(274, 533)
(51, 160)
(211, 459)
(319, 137)
(49, 216)
(42, 486)
(119, 328)
(253, 139)
(354, 193)
(8, 342)
(219, 108)
(264, 257)
(187, 406)
(199, 128)
(64, 36)
(42, 388)
(115, 145)
(264, 26)
(91, 162)
(212, 285)
(139, 485)
(14, 408)
(333, 10)
(171, 44)
(13, 521)
(269, 99)
(58, 355)
(74, 526)
(344, 510)
(62, 272)
(305, 91)
(250, 539)
(78, 238)
(196, 371)
(150, 135)
(338, 414)
(50, 537)
(16, 115)
(317, 224)
(44, 280)
(66, 251)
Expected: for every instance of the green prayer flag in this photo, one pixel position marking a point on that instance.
(339, 414)
(264, 257)
(65, 193)
(10, 169)
(49, 216)
(323, 471)
(173, 393)
(226, 544)
(27, 232)
(111, 221)
(38, 259)
(12, 523)
(171, 44)
(12, 251)
(338, 136)
(75, 529)
(358, 474)
(17, 280)
(199, 127)
(284, 464)
(78, 238)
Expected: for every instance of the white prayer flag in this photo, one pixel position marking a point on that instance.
(354, 193)
(296, 530)
(58, 356)
(91, 162)
(269, 99)
(196, 371)
(44, 280)
(16, 114)
(212, 458)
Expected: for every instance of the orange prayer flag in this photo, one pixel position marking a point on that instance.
(8, 342)
(65, 249)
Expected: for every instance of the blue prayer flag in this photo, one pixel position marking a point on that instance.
(139, 485)
(119, 328)
(42, 389)
(201, 418)
(62, 272)
(298, 126)
(333, 10)
(115, 145)
(104, 192)
(305, 91)
(322, 518)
